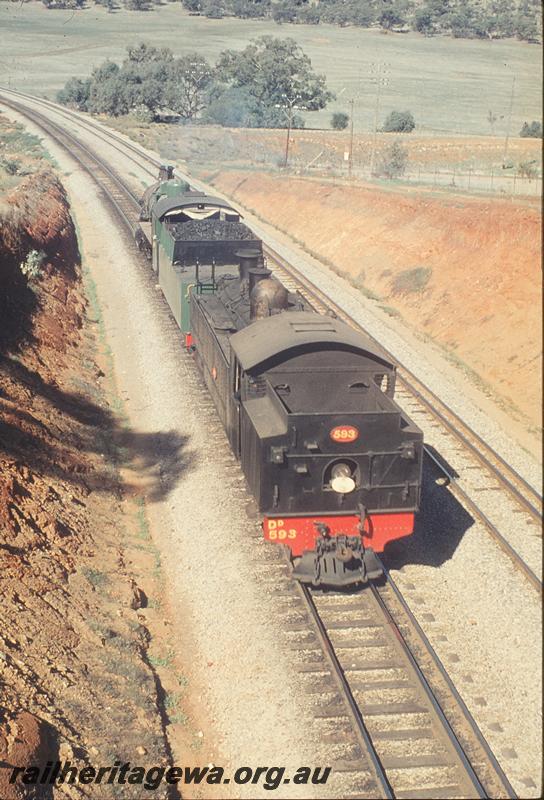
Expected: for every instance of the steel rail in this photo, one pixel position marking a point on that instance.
(490, 780)
(497, 536)
(446, 727)
(326, 302)
(82, 155)
(475, 446)
(438, 665)
(96, 130)
(455, 424)
(68, 142)
(407, 379)
(343, 684)
(61, 138)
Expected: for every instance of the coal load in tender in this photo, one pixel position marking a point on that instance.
(211, 230)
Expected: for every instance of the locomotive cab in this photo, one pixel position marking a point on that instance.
(334, 463)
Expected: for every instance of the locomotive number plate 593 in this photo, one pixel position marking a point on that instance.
(344, 433)
(275, 529)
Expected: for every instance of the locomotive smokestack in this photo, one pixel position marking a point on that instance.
(255, 275)
(249, 259)
(166, 173)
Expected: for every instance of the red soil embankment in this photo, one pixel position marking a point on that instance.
(75, 680)
(464, 271)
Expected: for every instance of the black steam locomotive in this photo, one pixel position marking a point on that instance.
(306, 401)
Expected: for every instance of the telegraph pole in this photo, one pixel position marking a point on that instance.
(381, 80)
(507, 138)
(288, 107)
(289, 120)
(350, 159)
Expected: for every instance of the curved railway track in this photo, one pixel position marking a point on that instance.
(525, 494)
(373, 676)
(416, 397)
(511, 480)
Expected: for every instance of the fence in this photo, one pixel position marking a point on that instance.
(495, 181)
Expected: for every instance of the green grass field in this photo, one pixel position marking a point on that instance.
(449, 84)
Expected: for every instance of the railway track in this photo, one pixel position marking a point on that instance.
(410, 386)
(394, 705)
(412, 397)
(373, 676)
(420, 402)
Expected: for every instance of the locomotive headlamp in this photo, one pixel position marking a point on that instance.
(341, 479)
(408, 451)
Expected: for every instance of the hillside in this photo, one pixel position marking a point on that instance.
(460, 270)
(449, 84)
(74, 670)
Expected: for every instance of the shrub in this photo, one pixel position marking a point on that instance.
(137, 5)
(249, 9)
(75, 94)
(424, 22)
(527, 169)
(214, 10)
(232, 108)
(143, 113)
(310, 16)
(31, 266)
(399, 122)
(339, 121)
(532, 130)
(11, 166)
(411, 280)
(394, 161)
(284, 13)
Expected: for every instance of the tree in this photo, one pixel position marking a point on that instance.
(339, 121)
(394, 161)
(399, 122)
(526, 22)
(137, 5)
(531, 130)
(528, 169)
(143, 53)
(350, 12)
(233, 108)
(75, 94)
(250, 9)
(63, 3)
(213, 9)
(500, 18)
(145, 74)
(150, 79)
(394, 14)
(285, 12)
(278, 76)
(424, 22)
(188, 81)
(310, 16)
(110, 97)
